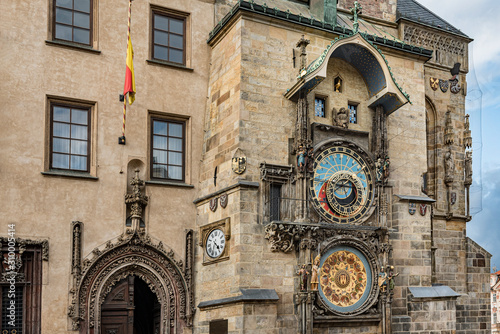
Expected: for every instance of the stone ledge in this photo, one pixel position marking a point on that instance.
(422, 199)
(243, 184)
(73, 46)
(77, 175)
(168, 183)
(247, 295)
(433, 292)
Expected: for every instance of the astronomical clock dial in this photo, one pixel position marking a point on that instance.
(216, 242)
(342, 185)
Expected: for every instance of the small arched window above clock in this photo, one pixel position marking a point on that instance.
(338, 84)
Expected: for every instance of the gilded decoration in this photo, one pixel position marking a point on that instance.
(344, 279)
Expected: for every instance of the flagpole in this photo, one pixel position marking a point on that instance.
(121, 140)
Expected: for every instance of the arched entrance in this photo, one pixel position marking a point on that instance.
(127, 283)
(130, 308)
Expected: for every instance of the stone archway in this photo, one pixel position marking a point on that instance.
(133, 255)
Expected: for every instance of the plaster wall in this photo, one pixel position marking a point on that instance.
(43, 206)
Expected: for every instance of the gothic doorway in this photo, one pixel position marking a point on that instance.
(130, 308)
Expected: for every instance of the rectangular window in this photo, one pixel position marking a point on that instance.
(169, 38)
(353, 113)
(319, 107)
(167, 149)
(275, 199)
(70, 137)
(73, 21)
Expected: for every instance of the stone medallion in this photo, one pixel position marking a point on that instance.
(345, 279)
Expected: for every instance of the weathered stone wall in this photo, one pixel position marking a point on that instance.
(427, 316)
(474, 308)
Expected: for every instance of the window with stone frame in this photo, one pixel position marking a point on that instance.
(167, 149)
(21, 287)
(168, 37)
(278, 202)
(70, 136)
(72, 21)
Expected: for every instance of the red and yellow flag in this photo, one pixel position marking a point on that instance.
(129, 87)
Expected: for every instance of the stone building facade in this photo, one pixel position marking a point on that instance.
(289, 167)
(495, 302)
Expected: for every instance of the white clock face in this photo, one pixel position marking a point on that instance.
(216, 242)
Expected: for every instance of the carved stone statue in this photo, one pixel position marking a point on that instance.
(449, 165)
(304, 274)
(301, 158)
(468, 168)
(341, 117)
(391, 277)
(314, 275)
(382, 280)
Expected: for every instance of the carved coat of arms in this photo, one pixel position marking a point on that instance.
(412, 208)
(223, 200)
(444, 84)
(423, 209)
(455, 86)
(434, 83)
(213, 204)
(239, 164)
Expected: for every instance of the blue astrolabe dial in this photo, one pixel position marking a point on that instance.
(216, 243)
(342, 186)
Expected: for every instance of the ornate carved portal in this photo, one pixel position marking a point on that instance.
(137, 256)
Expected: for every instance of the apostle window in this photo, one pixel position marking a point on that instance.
(70, 137)
(167, 149)
(72, 21)
(353, 113)
(319, 107)
(169, 38)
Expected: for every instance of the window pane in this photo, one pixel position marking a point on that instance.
(64, 3)
(160, 171)
(60, 145)
(176, 41)
(60, 161)
(63, 32)
(78, 163)
(61, 114)
(79, 116)
(160, 128)
(161, 37)
(82, 5)
(161, 22)
(81, 36)
(79, 132)
(175, 144)
(61, 130)
(175, 130)
(82, 20)
(79, 147)
(160, 157)
(64, 16)
(176, 56)
(175, 158)
(160, 142)
(177, 26)
(175, 172)
(160, 52)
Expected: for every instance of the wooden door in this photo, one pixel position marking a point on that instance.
(117, 311)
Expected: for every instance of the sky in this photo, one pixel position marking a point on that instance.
(480, 20)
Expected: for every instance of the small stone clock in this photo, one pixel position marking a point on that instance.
(214, 240)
